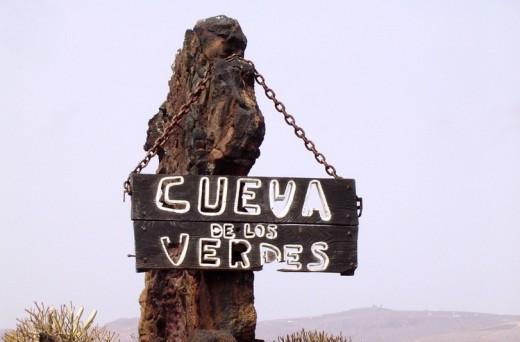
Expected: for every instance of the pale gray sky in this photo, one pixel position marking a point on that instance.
(419, 101)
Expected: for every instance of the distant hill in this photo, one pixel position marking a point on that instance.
(381, 325)
(384, 325)
(125, 327)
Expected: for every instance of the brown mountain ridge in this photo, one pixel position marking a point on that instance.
(377, 324)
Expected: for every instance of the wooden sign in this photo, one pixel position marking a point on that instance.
(242, 223)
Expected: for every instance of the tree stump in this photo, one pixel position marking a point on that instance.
(221, 134)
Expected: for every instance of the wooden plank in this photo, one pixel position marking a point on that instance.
(295, 200)
(212, 246)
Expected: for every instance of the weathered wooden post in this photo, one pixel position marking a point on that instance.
(221, 134)
(201, 225)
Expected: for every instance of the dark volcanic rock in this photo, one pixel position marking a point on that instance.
(211, 336)
(221, 134)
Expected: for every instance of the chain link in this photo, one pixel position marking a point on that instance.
(194, 96)
(289, 119)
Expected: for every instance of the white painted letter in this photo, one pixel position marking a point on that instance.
(183, 240)
(244, 194)
(260, 230)
(309, 208)
(208, 252)
(163, 198)
(291, 255)
(216, 230)
(248, 233)
(244, 263)
(281, 203)
(229, 231)
(217, 208)
(272, 232)
(269, 253)
(318, 250)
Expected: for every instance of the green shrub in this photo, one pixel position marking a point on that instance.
(312, 336)
(46, 324)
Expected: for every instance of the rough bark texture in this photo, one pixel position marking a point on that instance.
(220, 135)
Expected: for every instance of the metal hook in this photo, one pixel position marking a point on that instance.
(359, 206)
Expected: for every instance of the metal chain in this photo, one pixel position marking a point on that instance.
(193, 96)
(289, 119)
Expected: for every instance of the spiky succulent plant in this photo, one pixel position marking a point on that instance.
(312, 336)
(65, 324)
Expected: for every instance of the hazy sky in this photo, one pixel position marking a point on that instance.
(419, 101)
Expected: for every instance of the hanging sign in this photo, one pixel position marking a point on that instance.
(242, 223)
